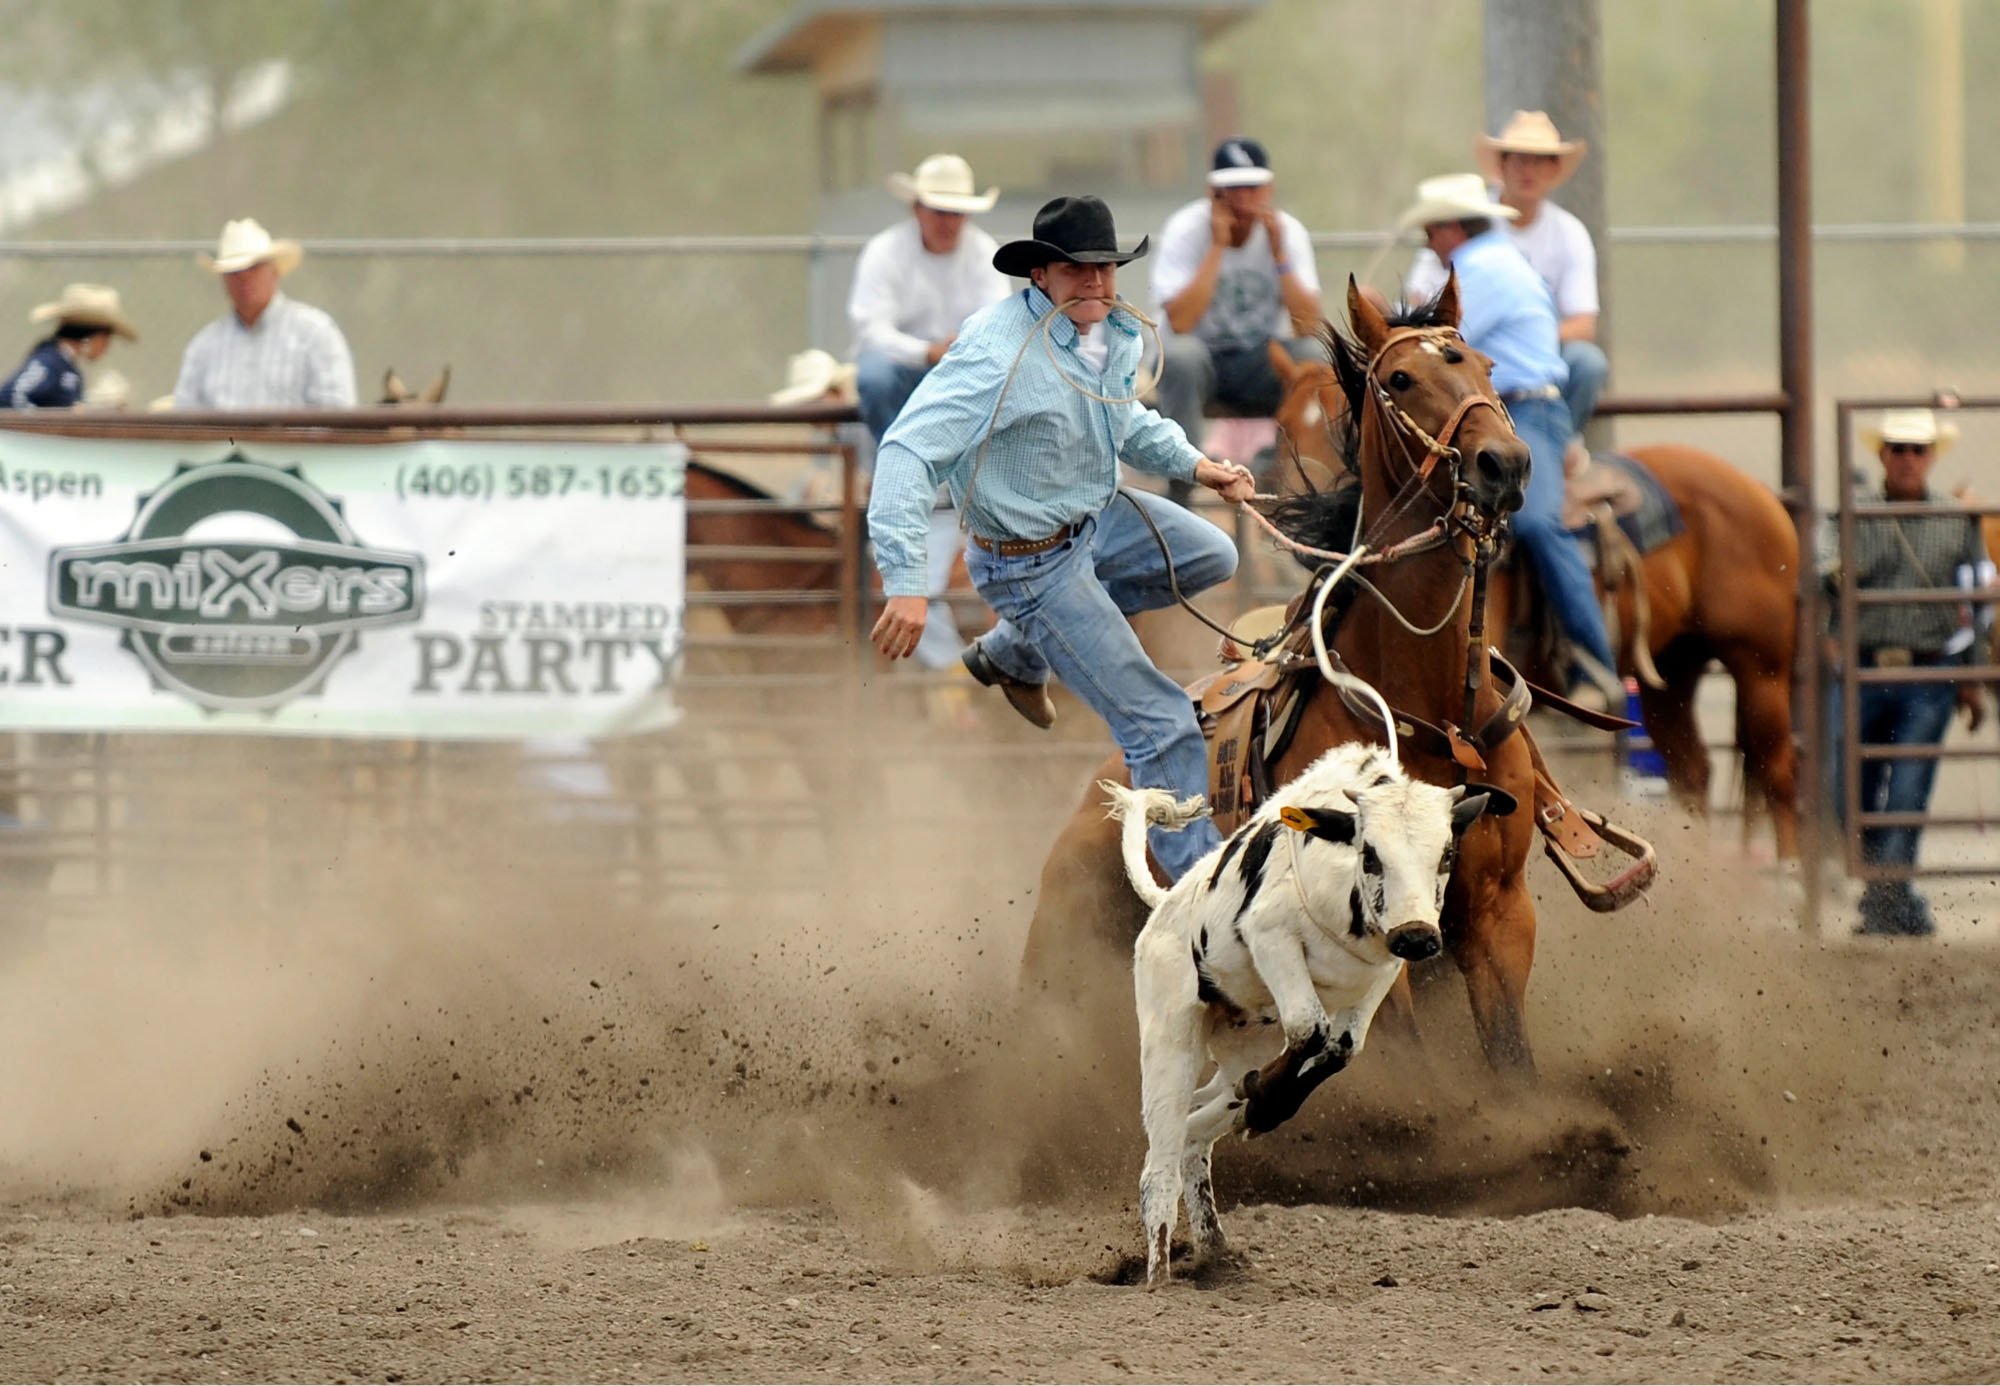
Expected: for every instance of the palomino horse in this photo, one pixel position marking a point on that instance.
(1439, 466)
(1724, 589)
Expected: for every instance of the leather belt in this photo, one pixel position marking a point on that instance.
(1019, 548)
(1901, 657)
(1539, 392)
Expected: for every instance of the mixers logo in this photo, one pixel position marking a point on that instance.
(220, 611)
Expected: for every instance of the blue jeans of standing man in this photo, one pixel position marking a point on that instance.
(1909, 714)
(1587, 372)
(1558, 558)
(1063, 612)
(885, 386)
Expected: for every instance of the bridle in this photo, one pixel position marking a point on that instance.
(1412, 439)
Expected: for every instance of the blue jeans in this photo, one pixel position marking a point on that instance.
(885, 387)
(1543, 425)
(1063, 612)
(1911, 714)
(1587, 371)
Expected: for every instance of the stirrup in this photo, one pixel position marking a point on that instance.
(1571, 834)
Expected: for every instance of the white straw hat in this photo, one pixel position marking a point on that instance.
(811, 374)
(943, 183)
(1919, 426)
(1452, 197)
(90, 305)
(1529, 132)
(245, 243)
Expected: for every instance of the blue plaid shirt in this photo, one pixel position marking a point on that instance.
(1054, 454)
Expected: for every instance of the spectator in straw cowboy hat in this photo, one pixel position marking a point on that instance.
(1908, 552)
(86, 318)
(1026, 421)
(917, 282)
(914, 286)
(1527, 161)
(269, 351)
(1505, 311)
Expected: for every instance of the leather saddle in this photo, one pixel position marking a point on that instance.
(1250, 710)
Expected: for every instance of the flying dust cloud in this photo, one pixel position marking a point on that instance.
(467, 1028)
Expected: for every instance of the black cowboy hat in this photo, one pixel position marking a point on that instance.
(1075, 229)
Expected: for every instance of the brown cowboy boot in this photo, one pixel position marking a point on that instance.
(1031, 700)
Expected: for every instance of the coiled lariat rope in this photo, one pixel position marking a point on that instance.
(1042, 332)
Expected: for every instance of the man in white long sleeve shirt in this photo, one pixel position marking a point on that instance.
(915, 284)
(268, 351)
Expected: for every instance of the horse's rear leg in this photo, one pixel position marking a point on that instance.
(1670, 722)
(1495, 952)
(1770, 761)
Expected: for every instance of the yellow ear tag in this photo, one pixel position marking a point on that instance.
(1295, 818)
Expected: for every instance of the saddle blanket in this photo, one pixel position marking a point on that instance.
(1644, 510)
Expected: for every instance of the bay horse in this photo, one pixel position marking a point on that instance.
(743, 525)
(1439, 465)
(1722, 590)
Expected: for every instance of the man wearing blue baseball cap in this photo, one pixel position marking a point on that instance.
(1234, 274)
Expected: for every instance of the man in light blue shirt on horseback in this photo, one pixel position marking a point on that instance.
(1506, 312)
(1025, 420)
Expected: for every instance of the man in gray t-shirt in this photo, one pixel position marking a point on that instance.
(1234, 274)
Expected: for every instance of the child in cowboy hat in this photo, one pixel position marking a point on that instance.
(269, 351)
(1526, 162)
(1025, 421)
(813, 376)
(87, 317)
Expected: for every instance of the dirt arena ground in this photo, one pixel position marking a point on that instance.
(474, 1126)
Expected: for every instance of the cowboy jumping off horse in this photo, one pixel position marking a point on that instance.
(1026, 419)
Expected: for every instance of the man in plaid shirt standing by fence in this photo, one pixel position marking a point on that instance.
(1026, 420)
(1915, 552)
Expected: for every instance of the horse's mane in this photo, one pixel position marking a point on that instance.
(1326, 519)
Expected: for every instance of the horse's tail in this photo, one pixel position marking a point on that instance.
(1137, 809)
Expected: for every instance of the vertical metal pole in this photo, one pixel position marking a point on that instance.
(1795, 351)
(1548, 55)
(1850, 652)
(854, 604)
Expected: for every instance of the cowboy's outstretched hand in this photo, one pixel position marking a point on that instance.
(900, 626)
(1230, 480)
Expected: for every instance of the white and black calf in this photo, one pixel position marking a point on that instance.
(1303, 918)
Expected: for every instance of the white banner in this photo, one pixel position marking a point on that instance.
(427, 589)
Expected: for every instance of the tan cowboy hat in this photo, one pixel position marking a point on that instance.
(943, 183)
(1529, 132)
(811, 374)
(89, 305)
(1918, 426)
(245, 243)
(1452, 197)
